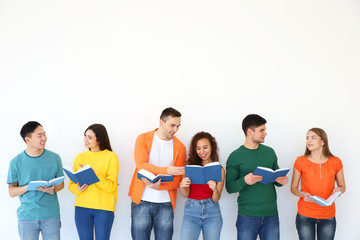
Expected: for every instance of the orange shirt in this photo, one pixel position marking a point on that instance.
(317, 179)
(141, 154)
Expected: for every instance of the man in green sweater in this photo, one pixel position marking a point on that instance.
(257, 208)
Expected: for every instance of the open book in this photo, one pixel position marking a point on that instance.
(84, 175)
(327, 202)
(34, 184)
(202, 174)
(152, 178)
(270, 175)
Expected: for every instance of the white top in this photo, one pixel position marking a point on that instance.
(161, 155)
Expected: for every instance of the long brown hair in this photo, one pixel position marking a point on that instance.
(101, 136)
(194, 158)
(325, 149)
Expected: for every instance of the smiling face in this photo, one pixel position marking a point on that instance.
(91, 141)
(313, 141)
(37, 139)
(258, 134)
(169, 127)
(203, 150)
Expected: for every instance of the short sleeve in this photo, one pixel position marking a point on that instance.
(338, 165)
(298, 164)
(59, 172)
(13, 173)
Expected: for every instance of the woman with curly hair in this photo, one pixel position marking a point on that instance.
(202, 211)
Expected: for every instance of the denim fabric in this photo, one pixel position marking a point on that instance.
(87, 218)
(248, 228)
(325, 228)
(49, 228)
(202, 215)
(146, 215)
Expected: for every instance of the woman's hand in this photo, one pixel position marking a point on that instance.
(81, 188)
(212, 185)
(186, 182)
(306, 197)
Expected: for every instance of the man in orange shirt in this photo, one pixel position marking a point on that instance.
(153, 204)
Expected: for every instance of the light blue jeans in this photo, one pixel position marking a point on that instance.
(266, 227)
(49, 228)
(202, 215)
(146, 215)
(325, 228)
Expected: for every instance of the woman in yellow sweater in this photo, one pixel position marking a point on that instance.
(95, 204)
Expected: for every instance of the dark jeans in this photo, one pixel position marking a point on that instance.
(146, 215)
(248, 228)
(307, 227)
(87, 218)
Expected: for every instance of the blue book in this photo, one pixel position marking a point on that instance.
(34, 184)
(152, 178)
(84, 175)
(270, 175)
(327, 202)
(202, 174)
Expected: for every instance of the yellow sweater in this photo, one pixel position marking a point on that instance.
(103, 194)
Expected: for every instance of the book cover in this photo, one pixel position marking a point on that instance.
(152, 178)
(270, 175)
(203, 174)
(34, 184)
(84, 175)
(328, 202)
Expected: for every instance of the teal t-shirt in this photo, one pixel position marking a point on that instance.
(36, 205)
(258, 200)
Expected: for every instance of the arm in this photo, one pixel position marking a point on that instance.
(217, 188)
(109, 183)
(15, 190)
(340, 181)
(179, 163)
(295, 187)
(185, 187)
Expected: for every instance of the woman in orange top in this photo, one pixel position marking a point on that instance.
(318, 170)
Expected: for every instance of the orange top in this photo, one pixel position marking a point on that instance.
(317, 179)
(142, 152)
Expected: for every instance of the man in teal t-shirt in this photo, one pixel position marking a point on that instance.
(39, 210)
(257, 208)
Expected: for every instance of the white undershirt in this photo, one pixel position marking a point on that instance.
(161, 155)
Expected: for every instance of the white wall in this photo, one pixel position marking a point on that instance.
(68, 64)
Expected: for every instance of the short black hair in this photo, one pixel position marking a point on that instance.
(252, 121)
(28, 129)
(169, 112)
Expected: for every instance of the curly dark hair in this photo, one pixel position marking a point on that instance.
(194, 158)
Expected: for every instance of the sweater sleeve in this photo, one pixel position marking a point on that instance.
(141, 155)
(72, 185)
(234, 181)
(179, 162)
(110, 181)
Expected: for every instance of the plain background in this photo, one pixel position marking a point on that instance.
(68, 64)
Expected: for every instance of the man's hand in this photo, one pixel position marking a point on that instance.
(49, 190)
(306, 197)
(282, 180)
(152, 185)
(251, 179)
(172, 170)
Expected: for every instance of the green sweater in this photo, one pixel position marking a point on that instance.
(258, 200)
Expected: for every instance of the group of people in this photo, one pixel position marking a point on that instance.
(153, 204)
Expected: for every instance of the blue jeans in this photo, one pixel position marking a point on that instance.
(146, 215)
(325, 228)
(49, 228)
(248, 228)
(202, 215)
(87, 218)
